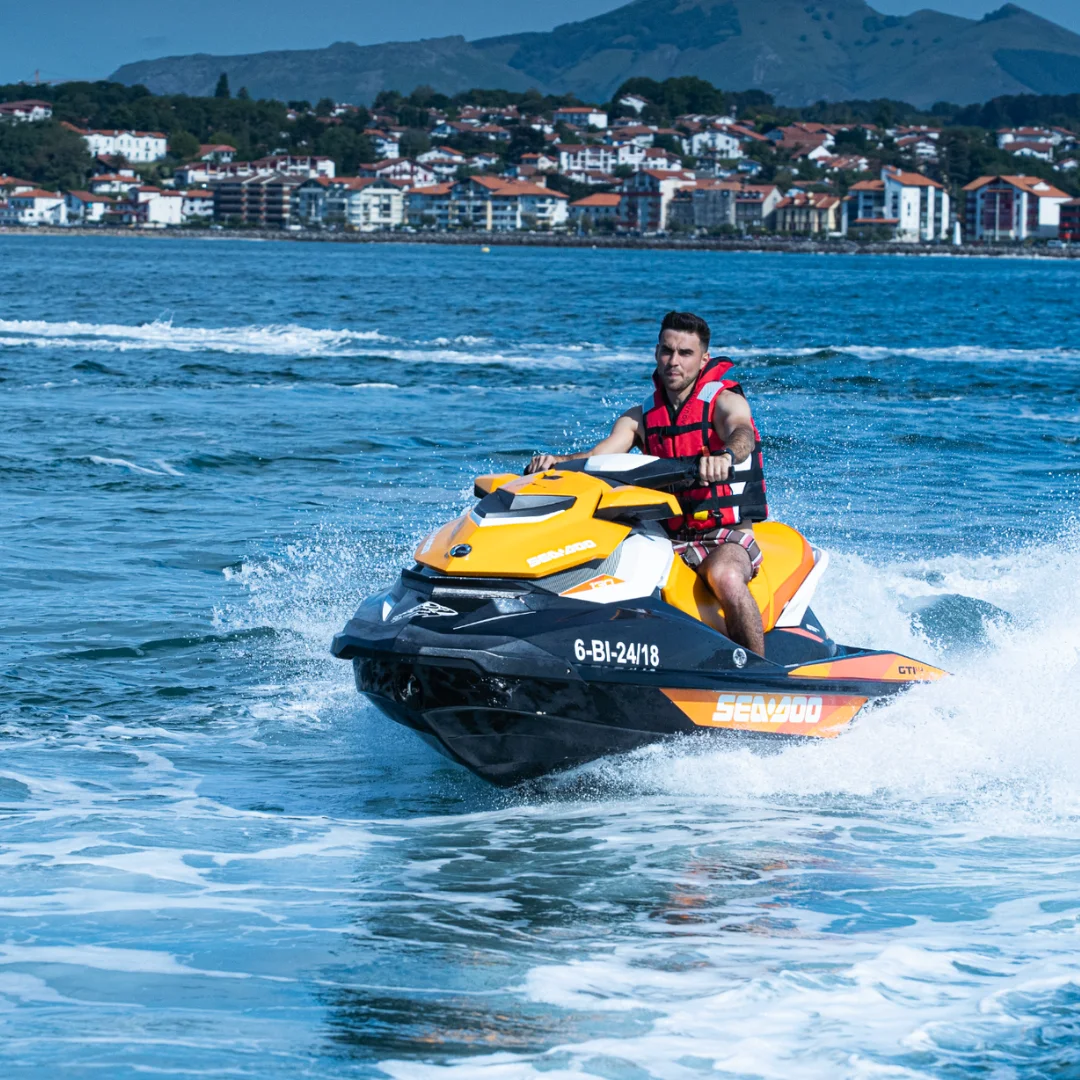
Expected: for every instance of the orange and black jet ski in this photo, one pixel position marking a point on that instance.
(553, 624)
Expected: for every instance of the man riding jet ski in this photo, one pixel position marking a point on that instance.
(694, 412)
(553, 623)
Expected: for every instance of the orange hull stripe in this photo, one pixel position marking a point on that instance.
(810, 715)
(882, 667)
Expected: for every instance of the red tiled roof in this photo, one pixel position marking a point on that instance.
(433, 189)
(813, 200)
(1024, 183)
(913, 179)
(600, 199)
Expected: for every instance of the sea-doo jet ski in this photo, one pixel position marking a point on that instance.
(553, 624)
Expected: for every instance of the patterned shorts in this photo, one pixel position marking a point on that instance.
(695, 551)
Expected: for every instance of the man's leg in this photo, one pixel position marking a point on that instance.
(728, 571)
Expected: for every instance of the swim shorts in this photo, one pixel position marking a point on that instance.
(697, 547)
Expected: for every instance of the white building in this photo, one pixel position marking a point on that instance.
(720, 142)
(1012, 208)
(602, 207)
(1040, 151)
(581, 116)
(443, 161)
(198, 203)
(112, 184)
(918, 205)
(34, 207)
(635, 102)
(386, 145)
(580, 158)
(361, 203)
(491, 203)
(25, 111)
(1005, 136)
(219, 153)
(157, 207)
(403, 169)
(140, 147)
(301, 165)
(86, 208)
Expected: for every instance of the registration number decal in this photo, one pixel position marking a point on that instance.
(632, 653)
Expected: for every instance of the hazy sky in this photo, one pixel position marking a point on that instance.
(71, 39)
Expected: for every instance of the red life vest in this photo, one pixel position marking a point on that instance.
(689, 433)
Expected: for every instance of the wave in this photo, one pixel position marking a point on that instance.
(287, 340)
(299, 342)
(995, 741)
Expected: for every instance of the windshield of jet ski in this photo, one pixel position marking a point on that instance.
(636, 470)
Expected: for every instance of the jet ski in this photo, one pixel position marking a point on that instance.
(552, 624)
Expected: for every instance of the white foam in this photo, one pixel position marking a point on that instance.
(123, 463)
(102, 958)
(997, 741)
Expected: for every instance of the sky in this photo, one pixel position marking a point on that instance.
(73, 39)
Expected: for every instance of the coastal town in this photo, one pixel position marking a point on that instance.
(575, 169)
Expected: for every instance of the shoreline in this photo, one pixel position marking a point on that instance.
(547, 240)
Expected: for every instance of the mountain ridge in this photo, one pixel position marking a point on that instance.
(798, 51)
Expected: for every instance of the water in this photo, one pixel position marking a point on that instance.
(217, 861)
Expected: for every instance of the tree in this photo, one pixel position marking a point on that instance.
(242, 94)
(222, 88)
(415, 141)
(183, 145)
(53, 156)
(524, 140)
(325, 106)
(348, 148)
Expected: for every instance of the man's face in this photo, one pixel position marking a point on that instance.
(679, 360)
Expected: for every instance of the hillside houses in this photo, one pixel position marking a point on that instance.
(543, 165)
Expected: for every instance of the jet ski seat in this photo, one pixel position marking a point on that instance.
(787, 560)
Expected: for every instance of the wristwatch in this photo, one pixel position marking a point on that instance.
(731, 454)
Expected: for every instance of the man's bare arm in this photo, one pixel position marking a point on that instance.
(734, 424)
(625, 433)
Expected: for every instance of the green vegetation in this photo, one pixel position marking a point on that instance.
(49, 154)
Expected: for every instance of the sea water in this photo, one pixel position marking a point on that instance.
(218, 861)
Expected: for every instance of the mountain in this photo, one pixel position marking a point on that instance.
(800, 51)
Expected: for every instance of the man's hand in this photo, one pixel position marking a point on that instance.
(541, 463)
(715, 469)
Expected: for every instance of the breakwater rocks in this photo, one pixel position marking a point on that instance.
(800, 245)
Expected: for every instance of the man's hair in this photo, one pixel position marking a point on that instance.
(687, 323)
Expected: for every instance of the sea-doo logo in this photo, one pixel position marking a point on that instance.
(559, 553)
(767, 709)
(427, 610)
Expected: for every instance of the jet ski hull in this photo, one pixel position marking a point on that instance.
(516, 694)
(507, 730)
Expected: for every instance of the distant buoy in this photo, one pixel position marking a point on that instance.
(486, 250)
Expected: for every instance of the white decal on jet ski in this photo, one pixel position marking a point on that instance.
(600, 651)
(558, 553)
(427, 610)
(767, 709)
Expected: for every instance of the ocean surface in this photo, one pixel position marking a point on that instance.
(216, 860)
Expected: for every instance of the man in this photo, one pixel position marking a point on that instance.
(696, 412)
